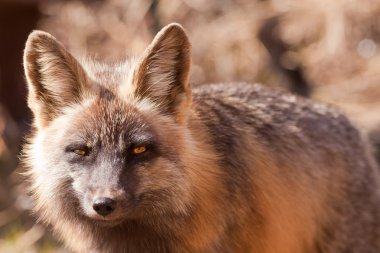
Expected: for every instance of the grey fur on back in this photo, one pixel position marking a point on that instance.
(297, 130)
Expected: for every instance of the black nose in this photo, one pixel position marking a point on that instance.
(104, 206)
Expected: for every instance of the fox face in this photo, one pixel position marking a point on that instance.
(110, 145)
(119, 166)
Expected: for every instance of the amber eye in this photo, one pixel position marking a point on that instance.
(138, 150)
(82, 151)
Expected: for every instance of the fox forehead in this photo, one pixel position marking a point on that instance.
(107, 120)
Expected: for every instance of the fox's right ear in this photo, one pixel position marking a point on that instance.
(55, 78)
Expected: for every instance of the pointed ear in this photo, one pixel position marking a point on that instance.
(162, 74)
(55, 78)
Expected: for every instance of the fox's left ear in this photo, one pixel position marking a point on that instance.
(162, 74)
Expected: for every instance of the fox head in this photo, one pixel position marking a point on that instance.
(110, 143)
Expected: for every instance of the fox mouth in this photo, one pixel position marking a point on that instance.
(108, 222)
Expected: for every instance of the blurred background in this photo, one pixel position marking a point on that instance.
(326, 50)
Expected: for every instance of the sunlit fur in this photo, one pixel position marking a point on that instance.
(232, 167)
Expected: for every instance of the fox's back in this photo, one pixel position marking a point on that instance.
(278, 120)
(265, 135)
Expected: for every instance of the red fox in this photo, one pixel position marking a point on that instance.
(130, 158)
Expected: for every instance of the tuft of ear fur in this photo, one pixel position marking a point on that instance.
(162, 73)
(55, 78)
